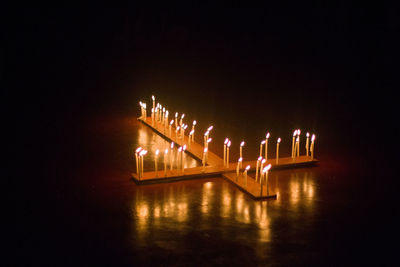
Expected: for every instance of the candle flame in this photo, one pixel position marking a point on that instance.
(210, 128)
(240, 159)
(263, 161)
(247, 167)
(143, 152)
(177, 129)
(176, 114)
(242, 143)
(166, 151)
(191, 132)
(183, 115)
(172, 122)
(166, 113)
(229, 143)
(263, 142)
(140, 103)
(226, 141)
(279, 140)
(205, 150)
(157, 151)
(152, 97)
(298, 131)
(206, 133)
(194, 122)
(172, 145)
(259, 158)
(163, 109)
(313, 137)
(138, 149)
(297, 139)
(267, 168)
(209, 140)
(295, 132)
(185, 126)
(267, 136)
(180, 149)
(308, 134)
(184, 147)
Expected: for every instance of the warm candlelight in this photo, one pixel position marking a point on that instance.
(181, 121)
(245, 174)
(265, 171)
(241, 151)
(227, 153)
(190, 137)
(204, 158)
(176, 133)
(277, 149)
(238, 167)
(155, 161)
(163, 115)
(225, 143)
(258, 165)
(266, 145)
(152, 116)
(294, 136)
(171, 157)
(179, 158)
(298, 142)
(176, 119)
(194, 124)
(142, 153)
(170, 126)
(208, 141)
(154, 102)
(261, 146)
(183, 134)
(297, 147)
(312, 146)
(137, 160)
(205, 138)
(262, 166)
(307, 143)
(165, 161)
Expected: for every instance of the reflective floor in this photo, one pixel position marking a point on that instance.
(96, 214)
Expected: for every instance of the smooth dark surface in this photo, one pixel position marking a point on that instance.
(78, 77)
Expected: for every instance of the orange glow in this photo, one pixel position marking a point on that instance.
(210, 128)
(313, 137)
(247, 167)
(152, 97)
(307, 134)
(279, 140)
(194, 122)
(172, 121)
(259, 158)
(240, 159)
(263, 161)
(242, 143)
(263, 142)
(209, 140)
(267, 136)
(229, 143)
(138, 149)
(226, 141)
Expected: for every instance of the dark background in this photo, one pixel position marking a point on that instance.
(317, 67)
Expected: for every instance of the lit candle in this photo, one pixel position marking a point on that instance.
(265, 171)
(176, 119)
(171, 157)
(277, 149)
(165, 162)
(241, 152)
(137, 160)
(166, 120)
(204, 158)
(258, 166)
(307, 143)
(225, 143)
(152, 116)
(227, 153)
(210, 128)
(194, 124)
(176, 133)
(208, 141)
(155, 161)
(245, 174)
(312, 146)
(238, 167)
(261, 146)
(154, 102)
(294, 136)
(142, 153)
(205, 138)
(163, 115)
(182, 130)
(297, 147)
(183, 135)
(190, 137)
(141, 109)
(298, 142)
(183, 158)
(160, 115)
(266, 146)
(262, 166)
(179, 158)
(156, 114)
(170, 126)
(180, 122)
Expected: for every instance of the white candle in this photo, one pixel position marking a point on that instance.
(142, 153)
(179, 158)
(160, 114)
(297, 147)
(238, 167)
(225, 143)
(245, 174)
(183, 135)
(154, 102)
(298, 142)
(194, 124)
(176, 133)
(307, 143)
(183, 158)
(137, 160)
(170, 126)
(190, 137)
(265, 171)
(141, 110)
(277, 149)
(261, 146)
(258, 165)
(171, 157)
(227, 154)
(208, 141)
(176, 119)
(182, 130)
(262, 164)
(204, 158)
(312, 146)
(241, 152)
(152, 116)
(165, 161)
(205, 138)
(266, 146)
(294, 136)
(180, 122)
(155, 161)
